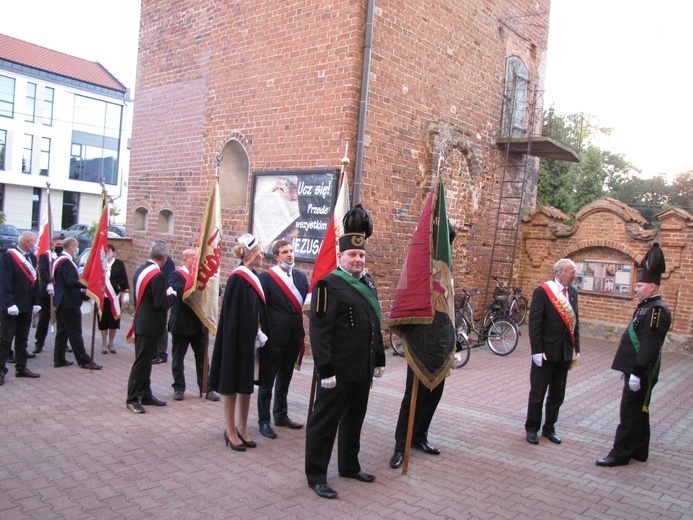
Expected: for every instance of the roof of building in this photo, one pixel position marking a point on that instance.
(37, 57)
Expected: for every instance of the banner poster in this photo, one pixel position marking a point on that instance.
(294, 206)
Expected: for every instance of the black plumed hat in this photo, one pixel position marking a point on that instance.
(357, 220)
(652, 266)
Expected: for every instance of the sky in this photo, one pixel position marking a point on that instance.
(627, 63)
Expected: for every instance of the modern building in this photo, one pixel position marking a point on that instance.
(63, 124)
(413, 89)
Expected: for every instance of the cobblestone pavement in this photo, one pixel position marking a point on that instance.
(71, 449)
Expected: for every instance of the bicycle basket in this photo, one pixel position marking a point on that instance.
(500, 295)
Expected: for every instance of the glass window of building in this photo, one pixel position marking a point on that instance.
(95, 140)
(48, 94)
(30, 114)
(6, 96)
(27, 153)
(3, 140)
(45, 155)
(35, 208)
(70, 209)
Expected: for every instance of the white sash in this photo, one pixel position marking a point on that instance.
(289, 282)
(251, 278)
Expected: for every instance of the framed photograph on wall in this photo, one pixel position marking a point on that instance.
(604, 277)
(294, 206)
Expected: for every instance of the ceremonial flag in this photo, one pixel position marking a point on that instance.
(326, 261)
(422, 312)
(203, 296)
(94, 274)
(46, 231)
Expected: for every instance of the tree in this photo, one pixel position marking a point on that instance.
(682, 191)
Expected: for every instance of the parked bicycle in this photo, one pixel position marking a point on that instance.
(500, 333)
(508, 303)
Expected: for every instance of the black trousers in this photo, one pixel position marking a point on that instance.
(140, 380)
(426, 404)
(179, 348)
(69, 327)
(551, 376)
(14, 328)
(44, 319)
(344, 408)
(162, 345)
(633, 432)
(283, 360)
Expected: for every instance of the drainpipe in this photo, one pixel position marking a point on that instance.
(363, 102)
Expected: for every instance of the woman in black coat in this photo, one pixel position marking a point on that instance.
(108, 323)
(234, 360)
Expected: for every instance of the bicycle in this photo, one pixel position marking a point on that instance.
(501, 333)
(507, 302)
(462, 347)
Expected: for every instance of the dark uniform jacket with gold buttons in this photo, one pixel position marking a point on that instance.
(345, 335)
(650, 324)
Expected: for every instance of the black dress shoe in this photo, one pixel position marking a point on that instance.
(2, 378)
(93, 366)
(25, 372)
(610, 462)
(213, 396)
(152, 401)
(267, 431)
(288, 423)
(178, 395)
(38, 350)
(532, 438)
(639, 458)
(360, 476)
(158, 361)
(324, 491)
(552, 437)
(234, 447)
(136, 408)
(247, 444)
(397, 460)
(30, 356)
(63, 364)
(426, 448)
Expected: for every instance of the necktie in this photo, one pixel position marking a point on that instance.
(565, 292)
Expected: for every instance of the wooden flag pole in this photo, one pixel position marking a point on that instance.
(410, 425)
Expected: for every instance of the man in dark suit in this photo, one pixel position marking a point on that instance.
(68, 308)
(347, 347)
(18, 295)
(554, 335)
(186, 330)
(153, 298)
(46, 290)
(161, 354)
(285, 291)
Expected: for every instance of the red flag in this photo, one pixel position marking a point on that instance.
(326, 261)
(94, 274)
(203, 296)
(46, 232)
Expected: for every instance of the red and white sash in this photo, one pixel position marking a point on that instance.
(140, 285)
(25, 266)
(562, 306)
(188, 278)
(62, 258)
(251, 278)
(111, 292)
(286, 284)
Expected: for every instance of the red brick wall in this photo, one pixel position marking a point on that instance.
(284, 78)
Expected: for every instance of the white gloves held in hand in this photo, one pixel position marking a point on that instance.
(634, 383)
(260, 339)
(125, 298)
(379, 371)
(50, 289)
(13, 311)
(538, 359)
(329, 382)
(36, 309)
(170, 292)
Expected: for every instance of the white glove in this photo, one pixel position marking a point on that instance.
(634, 383)
(329, 382)
(379, 371)
(170, 292)
(125, 298)
(623, 376)
(538, 359)
(50, 289)
(36, 309)
(13, 311)
(260, 339)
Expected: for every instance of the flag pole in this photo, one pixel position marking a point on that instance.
(49, 223)
(205, 357)
(410, 424)
(314, 383)
(95, 310)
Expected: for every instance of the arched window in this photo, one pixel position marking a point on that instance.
(234, 172)
(515, 98)
(141, 219)
(165, 222)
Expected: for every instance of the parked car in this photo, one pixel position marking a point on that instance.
(82, 260)
(118, 230)
(74, 230)
(85, 238)
(9, 237)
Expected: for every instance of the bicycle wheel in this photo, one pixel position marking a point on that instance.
(396, 344)
(463, 348)
(502, 336)
(494, 312)
(518, 310)
(462, 322)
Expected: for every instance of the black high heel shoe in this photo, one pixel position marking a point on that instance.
(247, 444)
(234, 447)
